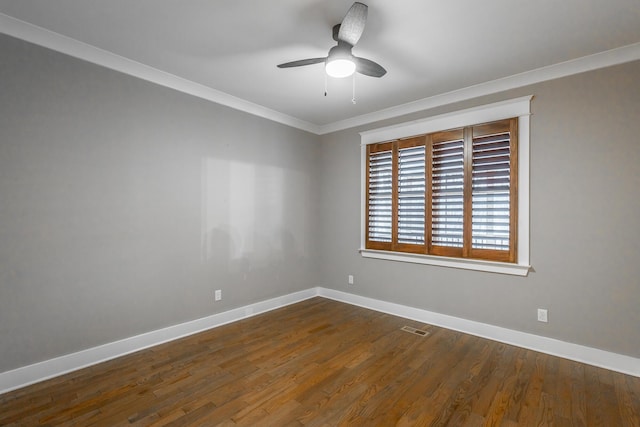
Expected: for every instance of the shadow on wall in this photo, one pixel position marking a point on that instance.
(254, 226)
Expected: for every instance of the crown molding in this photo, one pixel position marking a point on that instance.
(72, 47)
(604, 59)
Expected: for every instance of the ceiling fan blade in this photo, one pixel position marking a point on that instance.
(369, 68)
(301, 62)
(353, 23)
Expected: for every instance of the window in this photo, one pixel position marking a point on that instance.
(446, 193)
(450, 196)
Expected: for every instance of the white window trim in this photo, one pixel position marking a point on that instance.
(518, 107)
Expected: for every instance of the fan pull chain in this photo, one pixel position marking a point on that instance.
(325, 84)
(354, 89)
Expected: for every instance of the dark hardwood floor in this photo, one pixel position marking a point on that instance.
(325, 363)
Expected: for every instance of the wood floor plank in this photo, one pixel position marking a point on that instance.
(578, 413)
(628, 401)
(533, 395)
(326, 363)
(526, 362)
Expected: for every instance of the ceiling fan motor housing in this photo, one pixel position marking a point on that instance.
(340, 51)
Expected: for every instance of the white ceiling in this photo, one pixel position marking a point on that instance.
(429, 48)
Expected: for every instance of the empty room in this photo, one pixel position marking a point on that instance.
(319, 213)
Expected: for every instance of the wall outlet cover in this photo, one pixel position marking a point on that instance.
(542, 315)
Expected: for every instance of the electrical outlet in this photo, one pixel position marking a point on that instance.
(542, 315)
(350, 279)
(218, 295)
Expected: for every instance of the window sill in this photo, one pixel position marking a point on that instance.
(466, 264)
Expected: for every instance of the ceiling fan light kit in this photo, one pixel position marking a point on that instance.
(340, 62)
(340, 68)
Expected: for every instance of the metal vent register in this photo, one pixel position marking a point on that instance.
(415, 331)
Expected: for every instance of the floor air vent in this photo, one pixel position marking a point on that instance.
(415, 331)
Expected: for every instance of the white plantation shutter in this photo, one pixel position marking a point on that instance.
(447, 189)
(411, 195)
(380, 191)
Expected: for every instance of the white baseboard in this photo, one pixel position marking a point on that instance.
(579, 353)
(26, 375)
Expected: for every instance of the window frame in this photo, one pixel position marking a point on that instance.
(519, 108)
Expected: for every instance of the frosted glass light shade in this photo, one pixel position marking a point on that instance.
(340, 68)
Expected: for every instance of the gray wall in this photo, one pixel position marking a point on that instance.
(585, 221)
(123, 205)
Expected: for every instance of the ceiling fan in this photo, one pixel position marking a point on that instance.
(340, 62)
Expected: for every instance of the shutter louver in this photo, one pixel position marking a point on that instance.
(380, 196)
(411, 195)
(447, 189)
(491, 187)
